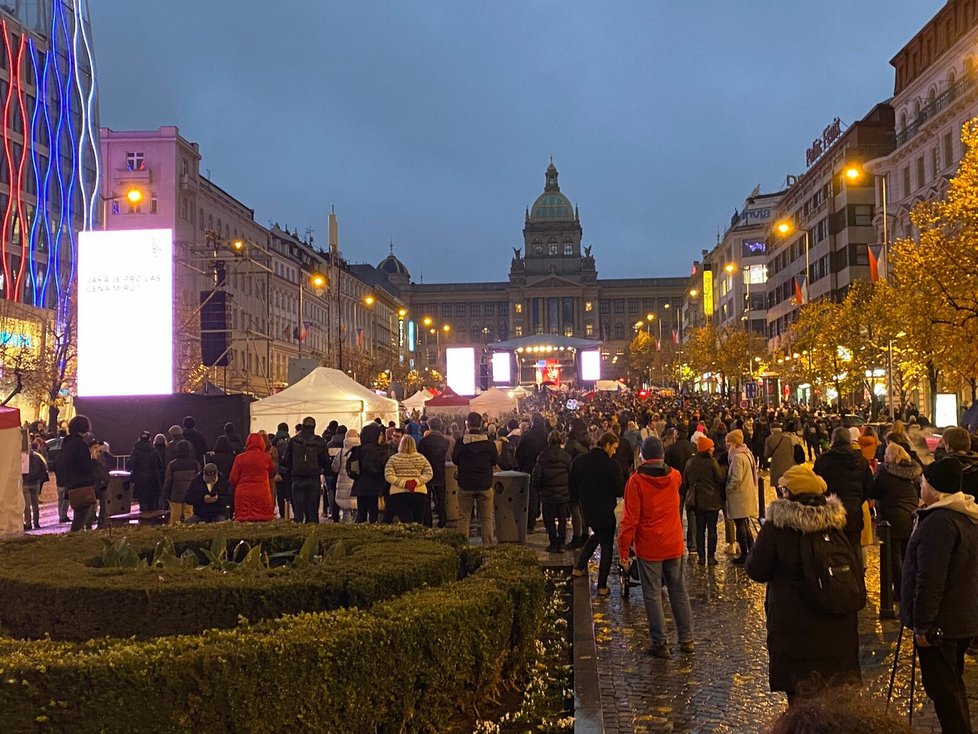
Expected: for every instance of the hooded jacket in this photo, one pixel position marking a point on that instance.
(551, 475)
(703, 481)
(250, 475)
(434, 447)
(533, 442)
(179, 472)
(679, 453)
(849, 477)
(939, 583)
(475, 456)
(651, 516)
(801, 639)
(577, 439)
(306, 440)
(146, 470)
(209, 511)
(373, 458)
(896, 488)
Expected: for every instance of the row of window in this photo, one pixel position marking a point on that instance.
(941, 157)
(445, 310)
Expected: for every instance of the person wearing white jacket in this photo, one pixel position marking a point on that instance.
(408, 473)
(344, 482)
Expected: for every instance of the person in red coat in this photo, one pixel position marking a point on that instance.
(652, 523)
(250, 477)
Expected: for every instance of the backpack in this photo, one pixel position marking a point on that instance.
(507, 456)
(832, 578)
(305, 457)
(353, 463)
(330, 470)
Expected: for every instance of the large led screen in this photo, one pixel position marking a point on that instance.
(125, 312)
(460, 362)
(946, 410)
(591, 366)
(502, 370)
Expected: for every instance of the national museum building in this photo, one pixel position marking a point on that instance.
(553, 290)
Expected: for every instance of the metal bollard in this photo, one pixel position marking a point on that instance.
(886, 570)
(761, 499)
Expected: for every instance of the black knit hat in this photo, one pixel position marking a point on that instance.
(944, 475)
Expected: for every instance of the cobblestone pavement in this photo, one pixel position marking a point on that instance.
(722, 686)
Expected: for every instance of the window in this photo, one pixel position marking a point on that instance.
(460, 309)
(502, 309)
(474, 309)
(184, 209)
(755, 274)
(587, 306)
(633, 305)
(619, 330)
(552, 248)
(488, 309)
(862, 215)
(446, 309)
(920, 172)
(200, 219)
(604, 306)
(568, 248)
(135, 161)
(619, 305)
(568, 331)
(588, 329)
(519, 308)
(517, 331)
(185, 168)
(948, 150)
(153, 205)
(906, 181)
(935, 159)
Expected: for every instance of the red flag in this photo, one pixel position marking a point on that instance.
(874, 261)
(675, 336)
(799, 296)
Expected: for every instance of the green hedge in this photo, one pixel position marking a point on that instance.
(408, 664)
(53, 586)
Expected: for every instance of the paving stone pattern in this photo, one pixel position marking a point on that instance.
(723, 687)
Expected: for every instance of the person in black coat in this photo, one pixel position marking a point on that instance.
(677, 456)
(146, 473)
(702, 492)
(434, 447)
(939, 600)
(849, 477)
(806, 646)
(596, 482)
(551, 478)
(223, 455)
(196, 438)
(77, 469)
(210, 494)
(531, 444)
(372, 454)
(234, 440)
(577, 445)
(896, 489)
(475, 457)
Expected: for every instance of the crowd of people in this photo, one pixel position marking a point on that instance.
(652, 476)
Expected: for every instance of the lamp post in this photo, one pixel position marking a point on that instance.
(437, 331)
(786, 227)
(318, 283)
(133, 196)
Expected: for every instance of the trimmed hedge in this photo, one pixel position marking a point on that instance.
(405, 665)
(53, 586)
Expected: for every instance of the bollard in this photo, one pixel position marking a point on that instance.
(886, 570)
(761, 499)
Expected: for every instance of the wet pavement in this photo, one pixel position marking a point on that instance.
(722, 687)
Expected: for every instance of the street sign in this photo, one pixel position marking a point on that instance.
(750, 390)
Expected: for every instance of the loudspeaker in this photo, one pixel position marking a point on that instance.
(214, 319)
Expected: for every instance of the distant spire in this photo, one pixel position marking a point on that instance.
(391, 245)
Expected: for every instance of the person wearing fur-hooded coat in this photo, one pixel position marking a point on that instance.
(806, 646)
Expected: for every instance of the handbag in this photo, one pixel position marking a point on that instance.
(81, 497)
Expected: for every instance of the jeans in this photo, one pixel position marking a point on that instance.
(63, 504)
(306, 492)
(330, 508)
(555, 522)
(438, 495)
(367, 508)
(652, 574)
(605, 537)
(31, 508)
(706, 532)
(942, 673)
(482, 501)
(405, 506)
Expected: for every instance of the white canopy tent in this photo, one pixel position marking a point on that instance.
(325, 394)
(493, 401)
(417, 401)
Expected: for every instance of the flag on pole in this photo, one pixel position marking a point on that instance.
(799, 298)
(301, 332)
(875, 251)
(675, 336)
(360, 337)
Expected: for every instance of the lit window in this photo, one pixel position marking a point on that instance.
(587, 306)
(552, 248)
(568, 248)
(568, 331)
(519, 308)
(588, 329)
(518, 330)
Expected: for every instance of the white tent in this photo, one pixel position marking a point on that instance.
(417, 401)
(325, 394)
(493, 401)
(13, 453)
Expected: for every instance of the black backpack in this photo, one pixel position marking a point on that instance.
(832, 576)
(507, 456)
(305, 457)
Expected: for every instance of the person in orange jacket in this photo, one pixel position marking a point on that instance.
(652, 522)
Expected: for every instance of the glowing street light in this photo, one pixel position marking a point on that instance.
(369, 300)
(134, 196)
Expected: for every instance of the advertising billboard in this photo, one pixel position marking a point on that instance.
(502, 368)
(707, 290)
(460, 369)
(590, 365)
(125, 313)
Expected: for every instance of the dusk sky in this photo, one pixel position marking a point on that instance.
(431, 123)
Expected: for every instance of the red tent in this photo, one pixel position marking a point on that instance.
(448, 399)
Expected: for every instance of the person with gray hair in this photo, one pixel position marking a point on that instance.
(849, 477)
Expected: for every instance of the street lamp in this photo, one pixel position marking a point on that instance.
(316, 280)
(786, 227)
(854, 172)
(133, 196)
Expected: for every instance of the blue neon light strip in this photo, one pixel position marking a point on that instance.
(67, 210)
(39, 209)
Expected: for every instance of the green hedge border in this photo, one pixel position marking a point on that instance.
(52, 586)
(409, 664)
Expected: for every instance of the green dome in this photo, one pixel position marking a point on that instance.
(552, 206)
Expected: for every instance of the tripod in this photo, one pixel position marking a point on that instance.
(913, 670)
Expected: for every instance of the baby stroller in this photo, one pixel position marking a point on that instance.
(628, 579)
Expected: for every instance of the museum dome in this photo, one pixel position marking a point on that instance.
(392, 266)
(551, 205)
